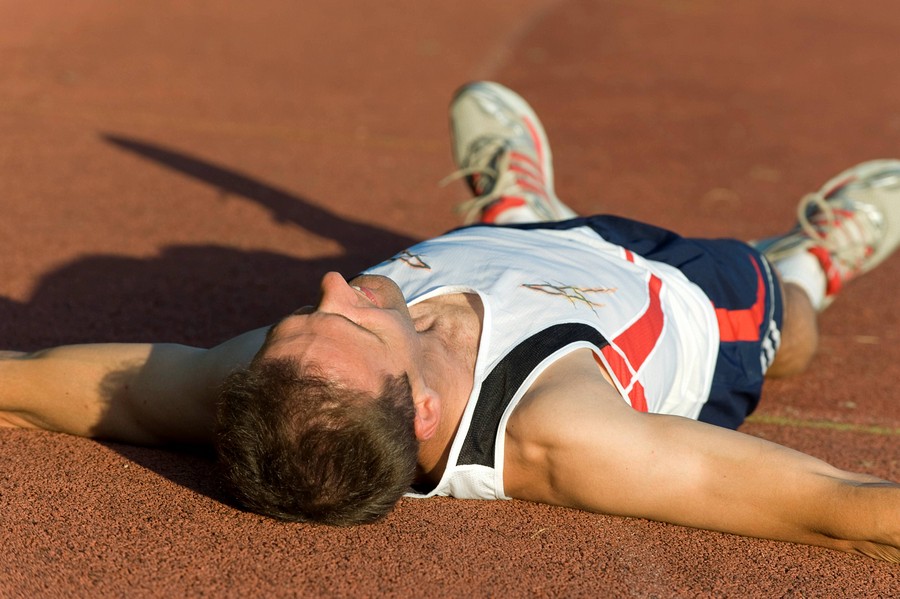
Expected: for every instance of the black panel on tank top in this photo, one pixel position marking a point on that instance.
(504, 381)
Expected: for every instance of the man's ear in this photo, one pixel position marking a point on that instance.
(428, 414)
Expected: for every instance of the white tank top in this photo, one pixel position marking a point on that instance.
(545, 294)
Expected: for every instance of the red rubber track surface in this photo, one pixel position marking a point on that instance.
(184, 171)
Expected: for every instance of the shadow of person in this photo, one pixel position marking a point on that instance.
(354, 236)
(197, 295)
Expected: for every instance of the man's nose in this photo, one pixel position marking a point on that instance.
(336, 293)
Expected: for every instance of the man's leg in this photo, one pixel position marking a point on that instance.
(845, 229)
(502, 150)
(799, 333)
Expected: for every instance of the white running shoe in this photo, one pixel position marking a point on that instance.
(500, 147)
(850, 225)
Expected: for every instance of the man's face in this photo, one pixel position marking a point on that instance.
(358, 333)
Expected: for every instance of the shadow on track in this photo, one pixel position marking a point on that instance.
(197, 295)
(354, 236)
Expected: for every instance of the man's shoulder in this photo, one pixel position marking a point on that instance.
(570, 401)
(577, 379)
(570, 389)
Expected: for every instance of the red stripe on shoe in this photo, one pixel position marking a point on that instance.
(492, 212)
(538, 146)
(528, 172)
(833, 281)
(541, 191)
(743, 325)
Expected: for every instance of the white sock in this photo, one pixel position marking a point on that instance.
(804, 269)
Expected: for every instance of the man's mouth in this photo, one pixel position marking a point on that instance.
(368, 293)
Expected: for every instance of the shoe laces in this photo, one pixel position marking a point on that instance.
(497, 171)
(849, 231)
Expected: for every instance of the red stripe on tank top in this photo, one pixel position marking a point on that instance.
(628, 352)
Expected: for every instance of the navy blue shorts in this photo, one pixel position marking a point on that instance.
(742, 288)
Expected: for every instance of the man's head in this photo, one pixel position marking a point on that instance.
(300, 448)
(324, 425)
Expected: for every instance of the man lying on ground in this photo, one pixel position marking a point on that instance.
(595, 363)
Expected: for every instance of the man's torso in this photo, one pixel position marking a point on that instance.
(548, 294)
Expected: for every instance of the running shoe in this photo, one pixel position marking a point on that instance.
(850, 225)
(500, 147)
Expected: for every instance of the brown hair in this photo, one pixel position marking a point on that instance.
(299, 447)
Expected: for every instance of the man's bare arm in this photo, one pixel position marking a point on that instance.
(136, 393)
(576, 443)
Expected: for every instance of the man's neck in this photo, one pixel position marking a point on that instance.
(450, 326)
